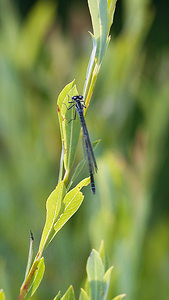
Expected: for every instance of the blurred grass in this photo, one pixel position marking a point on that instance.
(130, 211)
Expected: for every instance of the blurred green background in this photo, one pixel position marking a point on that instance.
(43, 46)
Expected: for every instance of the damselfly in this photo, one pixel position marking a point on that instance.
(78, 102)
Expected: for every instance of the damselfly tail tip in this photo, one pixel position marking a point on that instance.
(93, 190)
(92, 184)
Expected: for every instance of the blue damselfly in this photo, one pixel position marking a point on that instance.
(78, 102)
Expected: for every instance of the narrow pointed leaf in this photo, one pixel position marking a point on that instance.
(102, 252)
(53, 206)
(119, 297)
(72, 202)
(58, 296)
(87, 287)
(69, 295)
(108, 274)
(103, 255)
(111, 5)
(107, 281)
(38, 276)
(83, 295)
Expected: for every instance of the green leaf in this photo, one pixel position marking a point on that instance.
(53, 206)
(94, 11)
(95, 267)
(95, 16)
(80, 166)
(70, 131)
(2, 295)
(107, 281)
(103, 28)
(72, 202)
(83, 295)
(61, 99)
(102, 13)
(38, 276)
(69, 295)
(108, 274)
(103, 255)
(119, 297)
(98, 11)
(58, 296)
(111, 5)
(76, 173)
(87, 287)
(95, 273)
(90, 67)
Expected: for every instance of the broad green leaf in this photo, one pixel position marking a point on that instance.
(95, 267)
(53, 206)
(119, 297)
(70, 129)
(69, 295)
(58, 296)
(83, 295)
(38, 276)
(2, 295)
(95, 273)
(72, 202)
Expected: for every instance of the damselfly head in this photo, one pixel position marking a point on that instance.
(78, 97)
